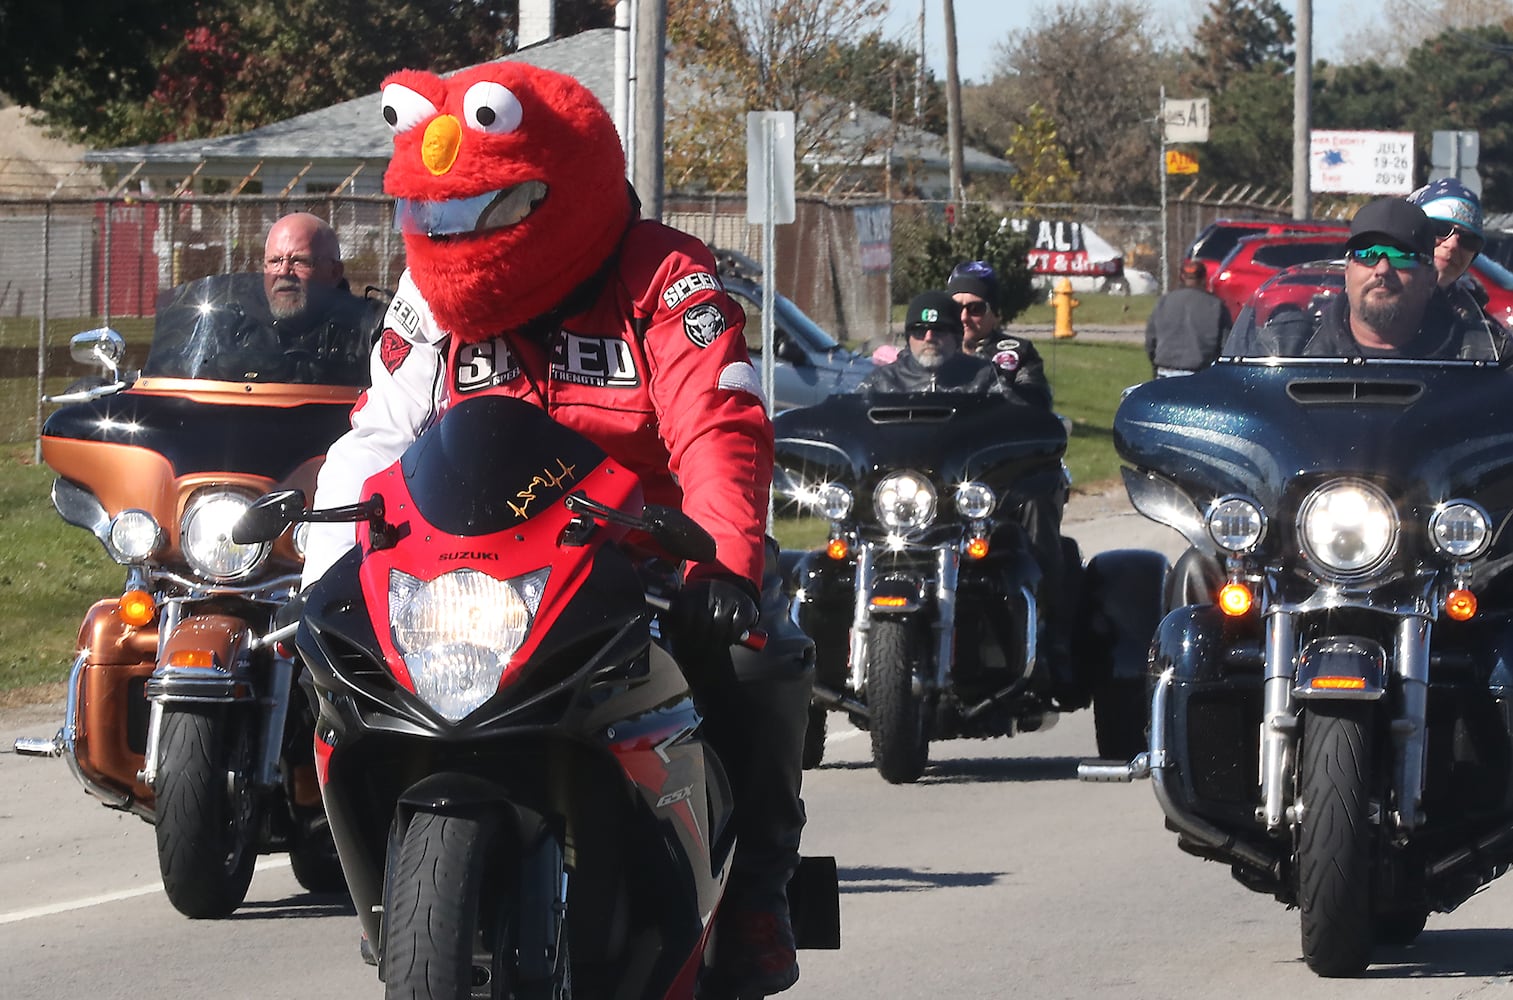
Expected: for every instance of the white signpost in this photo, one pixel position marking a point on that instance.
(1360, 162)
(769, 200)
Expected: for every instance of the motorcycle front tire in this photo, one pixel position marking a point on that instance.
(896, 650)
(1335, 838)
(437, 944)
(207, 810)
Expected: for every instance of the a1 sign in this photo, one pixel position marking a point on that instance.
(1185, 120)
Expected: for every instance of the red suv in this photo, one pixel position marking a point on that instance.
(1256, 258)
(1218, 238)
(1497, 282)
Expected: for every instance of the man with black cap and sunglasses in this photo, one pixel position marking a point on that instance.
(933, 360)
(974, 286)
(1393, 306)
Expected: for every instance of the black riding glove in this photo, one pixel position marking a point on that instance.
(714, 612)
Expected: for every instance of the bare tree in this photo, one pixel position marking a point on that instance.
(1388, 40)
(767, 55)
(1094, 68)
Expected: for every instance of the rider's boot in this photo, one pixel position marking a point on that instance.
(757, 729)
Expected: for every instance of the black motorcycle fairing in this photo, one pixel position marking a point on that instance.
(952, 437)
(1435, 431)
(196, 436)
(461, 487)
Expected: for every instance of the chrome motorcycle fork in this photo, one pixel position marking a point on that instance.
(1279, 721)
(1409, 726)
(947, 572)
(173, 612)
(861, 618)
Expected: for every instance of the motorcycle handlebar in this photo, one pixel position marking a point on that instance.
(753, 638)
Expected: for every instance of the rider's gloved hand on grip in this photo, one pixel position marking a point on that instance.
(290, 612)
(715, 611)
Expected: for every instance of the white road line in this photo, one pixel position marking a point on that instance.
(16, 916)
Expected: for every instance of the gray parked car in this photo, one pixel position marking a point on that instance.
(808, 364)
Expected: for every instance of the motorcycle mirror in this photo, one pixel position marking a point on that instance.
(268, 516)
(104, 347)
(678, 533)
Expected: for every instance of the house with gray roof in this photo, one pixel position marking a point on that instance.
(346, 147)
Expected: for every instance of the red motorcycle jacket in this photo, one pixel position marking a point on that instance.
(655, 372)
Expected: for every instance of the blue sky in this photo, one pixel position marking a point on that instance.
(982, 24)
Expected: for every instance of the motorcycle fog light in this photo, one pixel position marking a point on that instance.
(834, 501)
(975, 501)
(1460, 529)
(1347, 527)
(205, 536)
(458, 632)
(1236, 524)
(905, 501)
(134, 535)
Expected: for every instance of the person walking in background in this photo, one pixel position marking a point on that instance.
(1187, 326)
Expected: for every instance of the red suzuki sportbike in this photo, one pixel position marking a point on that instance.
(513, 768)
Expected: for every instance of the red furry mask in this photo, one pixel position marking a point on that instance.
(512, 190)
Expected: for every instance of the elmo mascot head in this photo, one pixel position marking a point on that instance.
(511, 189)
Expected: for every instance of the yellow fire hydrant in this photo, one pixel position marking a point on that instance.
(1063, 304)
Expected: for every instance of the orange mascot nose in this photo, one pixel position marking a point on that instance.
(439, 149)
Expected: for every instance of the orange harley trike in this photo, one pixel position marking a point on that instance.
(182, 702)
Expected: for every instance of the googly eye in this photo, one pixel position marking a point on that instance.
(403, 109)
(490, 107)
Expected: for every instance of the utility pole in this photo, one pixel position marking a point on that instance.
(953, 106)
(919, 72)
(1302, 115)
(650, 32)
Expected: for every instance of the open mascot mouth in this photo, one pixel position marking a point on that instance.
(478, 214)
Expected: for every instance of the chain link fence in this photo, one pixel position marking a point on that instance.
(74, 264)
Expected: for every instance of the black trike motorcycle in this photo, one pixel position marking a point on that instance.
(1331, 700)
(925, 598)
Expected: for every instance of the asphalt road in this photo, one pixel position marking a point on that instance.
(997, 875)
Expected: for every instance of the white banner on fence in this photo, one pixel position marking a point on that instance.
(1360, 162)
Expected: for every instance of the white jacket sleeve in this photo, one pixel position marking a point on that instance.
(404, 398)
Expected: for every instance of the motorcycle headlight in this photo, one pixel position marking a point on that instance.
(1460, 529)
(975, 501)
(905, 501)
(205, 536)
(458, 632)
(1236, 524)
(834, 501)
(1347, 527)
(133, 535)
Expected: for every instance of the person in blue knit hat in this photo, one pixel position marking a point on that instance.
(1454, 211)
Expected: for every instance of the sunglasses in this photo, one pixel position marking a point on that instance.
(976, 310)
(1398, 260)
(1468, 240)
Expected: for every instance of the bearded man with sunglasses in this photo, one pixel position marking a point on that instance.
(1393, 306)
(974, 286)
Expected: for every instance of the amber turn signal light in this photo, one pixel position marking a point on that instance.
(1235, 599)
(837, 548)
(977, 548)
(1460, 605)
(137, 608)
(191, 658)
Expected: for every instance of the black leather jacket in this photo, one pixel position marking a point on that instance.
(1019, 366)
(959, 373)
